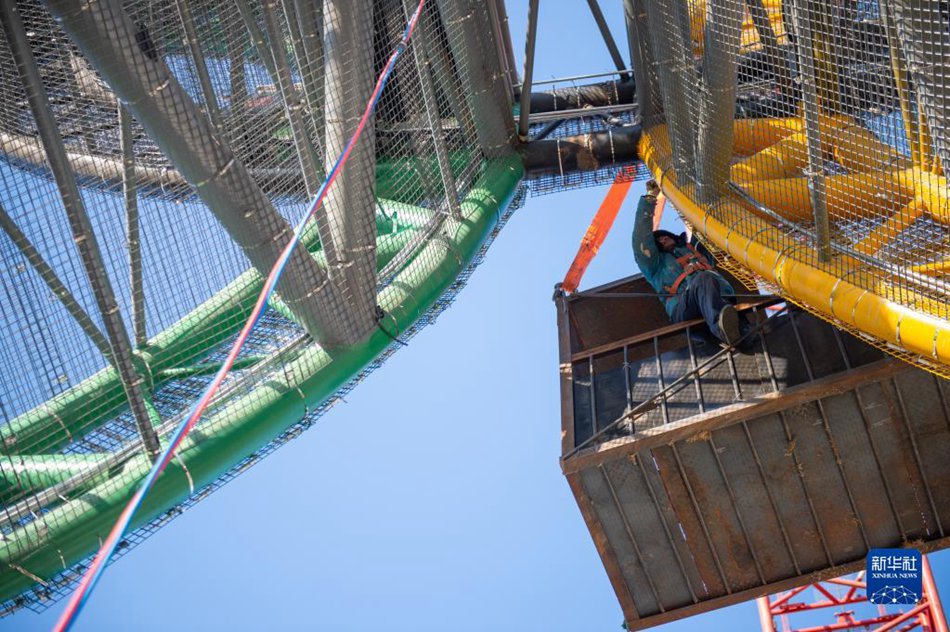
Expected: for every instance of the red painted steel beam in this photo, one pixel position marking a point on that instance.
(937, 617)
(927, 616)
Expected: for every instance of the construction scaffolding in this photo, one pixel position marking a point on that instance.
(153, 159)
(825, 180)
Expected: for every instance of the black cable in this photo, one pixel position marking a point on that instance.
(380, 315)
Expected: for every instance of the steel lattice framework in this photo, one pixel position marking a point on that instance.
(154, 158)
(154, 155)
(846, 595)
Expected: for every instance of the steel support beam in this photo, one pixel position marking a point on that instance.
(502, 32)
(194, 47)
(721, 39)
(672, 50)
(258, 39)
(641, 57)
(608, 39)
(302, 32)
(202, 156)
(446, 75)
(309, 18)
(80, 226)
(293, 103)
(528, 73)
(132, 232)
(53, 282)
(774, 53)
(346, 222)
(925, 43)
(430, 103)
(804, 46)
(479, 69)
(237, 82)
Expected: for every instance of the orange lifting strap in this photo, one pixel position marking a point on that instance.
(598, 229)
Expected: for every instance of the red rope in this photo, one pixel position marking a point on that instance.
(89, 580)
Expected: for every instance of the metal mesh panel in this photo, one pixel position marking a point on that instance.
(816, 130)
(576, 179)
(194, 134)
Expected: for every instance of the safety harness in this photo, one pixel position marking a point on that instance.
(691, 262)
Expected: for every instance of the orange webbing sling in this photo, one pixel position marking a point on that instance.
(598, 229)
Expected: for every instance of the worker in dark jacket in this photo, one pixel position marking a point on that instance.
(688, 285)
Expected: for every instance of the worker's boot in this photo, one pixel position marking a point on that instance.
(728, 322)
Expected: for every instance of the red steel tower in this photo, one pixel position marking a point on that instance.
(775, 611)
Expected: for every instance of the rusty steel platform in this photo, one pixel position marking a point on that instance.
(762, 470)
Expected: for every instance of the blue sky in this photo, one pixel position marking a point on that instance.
(432, 499)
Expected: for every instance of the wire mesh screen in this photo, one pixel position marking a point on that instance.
(563, 178)
(817, 131)
(154, 157)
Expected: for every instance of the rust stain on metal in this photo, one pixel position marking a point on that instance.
(702, 436)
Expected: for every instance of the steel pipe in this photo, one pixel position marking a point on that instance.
(641, 57)
(194, 47)
(480, 72)
(925, 44)
(608, 39)
(53, 282)
(773, 52)
(346, 221)
(293, 104)
(672, 51)
(804, 47)
(82, 232)
(142, 80)
(310, 20)
(132, 232)
(721, 40)
(528, 74)
(430, 103)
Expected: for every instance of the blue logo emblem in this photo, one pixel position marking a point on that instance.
(894, 576)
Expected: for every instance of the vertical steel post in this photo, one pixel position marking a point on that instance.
(144, 83)
(237, 84)
(500, 19)
(347, 221)
(901, 82)
(641, 57)
(937, 615)
(448, 77)
(804, 44)
(302, 35)
(608, 38)
(81, 227)
(774, 53)
(479, 68)
(293, 104)
(672, 51)
(309, 17)
(925, 44)
(721, 41)
(765, 614)
(431, 105)
(133, 234)
(528, 74)
(258, 40)
(194, 47)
